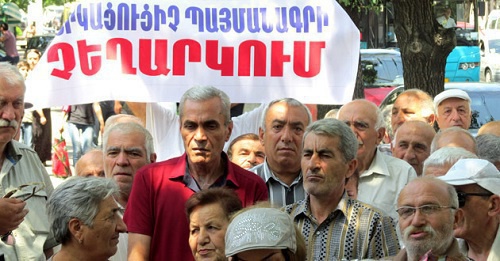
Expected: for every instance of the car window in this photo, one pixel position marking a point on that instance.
(381, 69)
(484, 108)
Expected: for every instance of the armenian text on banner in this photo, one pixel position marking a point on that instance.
(152, 51)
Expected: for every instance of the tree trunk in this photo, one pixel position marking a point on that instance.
(423, 43)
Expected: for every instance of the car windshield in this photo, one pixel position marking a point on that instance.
(381, 69)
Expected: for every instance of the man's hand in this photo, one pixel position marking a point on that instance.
(12, 214)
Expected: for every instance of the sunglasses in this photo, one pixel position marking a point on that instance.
(27, 189)
(462, 197)
(31, 188)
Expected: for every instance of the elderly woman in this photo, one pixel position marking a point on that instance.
(84, 218)
(208, 212)
(264, 233)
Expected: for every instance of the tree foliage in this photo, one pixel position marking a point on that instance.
(23, 4)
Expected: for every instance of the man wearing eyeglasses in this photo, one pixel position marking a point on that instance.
(477, 183)
(24, 182)
(381, 176)
(427, 208)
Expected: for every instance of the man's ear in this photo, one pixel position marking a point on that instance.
(459, 218)
(229, 130)
(431, 119)
(351, 168)
(261, 136)
(153, 157)
(75, 227)
(494, 206)
(380, 134)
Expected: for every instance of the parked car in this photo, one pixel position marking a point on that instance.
(485, 97)
(382, 71)
(39, 42)
(490, 58)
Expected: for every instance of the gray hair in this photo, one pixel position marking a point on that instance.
(77, 197)
(117, 118)
(128, 128)
(450, 130)
(447, 156)
(203, 93)
(290, 102)
(425, 100)
(337, 129)
(488, 147)
(11, 75)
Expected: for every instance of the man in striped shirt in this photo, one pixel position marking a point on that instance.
(282, 127)
(334, 226)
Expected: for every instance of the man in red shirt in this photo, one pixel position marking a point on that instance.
(158, 227)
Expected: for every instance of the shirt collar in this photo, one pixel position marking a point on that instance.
(378, 166)
(304, 209)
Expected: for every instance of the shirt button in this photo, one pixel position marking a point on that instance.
(318, 233)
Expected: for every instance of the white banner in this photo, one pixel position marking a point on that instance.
(153, 50)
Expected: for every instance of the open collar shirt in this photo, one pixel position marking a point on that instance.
(23, 166)
(280, 194)
(354, 230)
(381, 183)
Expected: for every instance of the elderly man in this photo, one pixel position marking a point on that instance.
(412, 104)
(427, 208)
(477, 183)
(454, 137)
(441, 160)
(412, 143)
(334, 226)
(90, 164)
(453, 109)
(381, 176)
(281, 131)
(155, 212)
(246, 151)
(23, 217)
(127, 146)
(492, 127)
(488, 148)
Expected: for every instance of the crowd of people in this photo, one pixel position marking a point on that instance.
(269, 184)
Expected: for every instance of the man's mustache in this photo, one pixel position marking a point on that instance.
(6, 123)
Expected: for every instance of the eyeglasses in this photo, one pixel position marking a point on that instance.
(462, 197)
(32, 189)
(427, 210)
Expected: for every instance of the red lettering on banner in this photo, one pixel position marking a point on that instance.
(126, 53)
(299, 51)
(92, 67)
(68, 59)
(154, 60)
(226, 65)
(278, 58)
(244, 58)
(179, 67)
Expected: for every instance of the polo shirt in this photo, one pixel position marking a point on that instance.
(156, 206)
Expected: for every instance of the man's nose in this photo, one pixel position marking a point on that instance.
(8, 112)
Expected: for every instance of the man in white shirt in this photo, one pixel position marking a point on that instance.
(381, 176)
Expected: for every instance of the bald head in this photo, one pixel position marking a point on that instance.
(492, 127)
(366, 121)
(412, 143)
(454, 137)
(90, 164)
(412, 104)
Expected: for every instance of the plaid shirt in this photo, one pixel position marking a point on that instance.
(354, 230)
